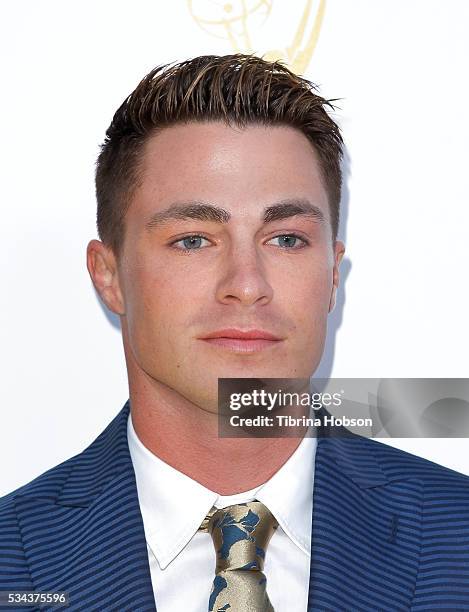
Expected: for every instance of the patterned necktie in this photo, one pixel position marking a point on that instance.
(240, 534)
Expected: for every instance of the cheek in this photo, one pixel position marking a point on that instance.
(160, 301)
(307, 299)
(308, 284)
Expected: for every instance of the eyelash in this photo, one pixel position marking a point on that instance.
(290, 235)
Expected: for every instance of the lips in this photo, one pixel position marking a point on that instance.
(239, 340)
(252, 334)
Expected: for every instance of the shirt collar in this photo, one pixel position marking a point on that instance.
(289, 494)
(174, 505)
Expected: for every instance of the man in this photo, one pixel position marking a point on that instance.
(218, 191)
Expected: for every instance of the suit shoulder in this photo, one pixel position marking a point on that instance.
(396, 463)
(87, 471)
(45, 486)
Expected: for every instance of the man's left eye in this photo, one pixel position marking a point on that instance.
(290, 241)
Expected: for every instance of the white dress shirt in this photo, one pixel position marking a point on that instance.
(182, 559)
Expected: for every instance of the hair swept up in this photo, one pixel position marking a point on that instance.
(237, 89)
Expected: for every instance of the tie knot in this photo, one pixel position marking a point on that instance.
(240, 534)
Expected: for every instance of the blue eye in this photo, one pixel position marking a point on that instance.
(189, 243)
(289, 241)
(194, 242)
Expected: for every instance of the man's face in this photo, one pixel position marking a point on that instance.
(202, 272)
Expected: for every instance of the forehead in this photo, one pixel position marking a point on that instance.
(241, 169)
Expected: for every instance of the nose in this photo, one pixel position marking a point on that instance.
(244, 279)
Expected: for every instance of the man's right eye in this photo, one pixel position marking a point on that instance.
(189, 243)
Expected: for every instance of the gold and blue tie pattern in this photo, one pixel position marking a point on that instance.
(240, 534)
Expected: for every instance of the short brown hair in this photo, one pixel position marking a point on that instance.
(237, 89)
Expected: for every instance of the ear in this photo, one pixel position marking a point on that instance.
(102, 267)
(339, 250)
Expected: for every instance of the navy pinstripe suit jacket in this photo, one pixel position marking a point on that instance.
(390, 531)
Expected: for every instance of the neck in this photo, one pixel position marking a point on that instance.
(186, 437)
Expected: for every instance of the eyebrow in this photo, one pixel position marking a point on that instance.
(202, 211)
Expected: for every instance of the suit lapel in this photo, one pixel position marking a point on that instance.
(82, 529)
(365, 530)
